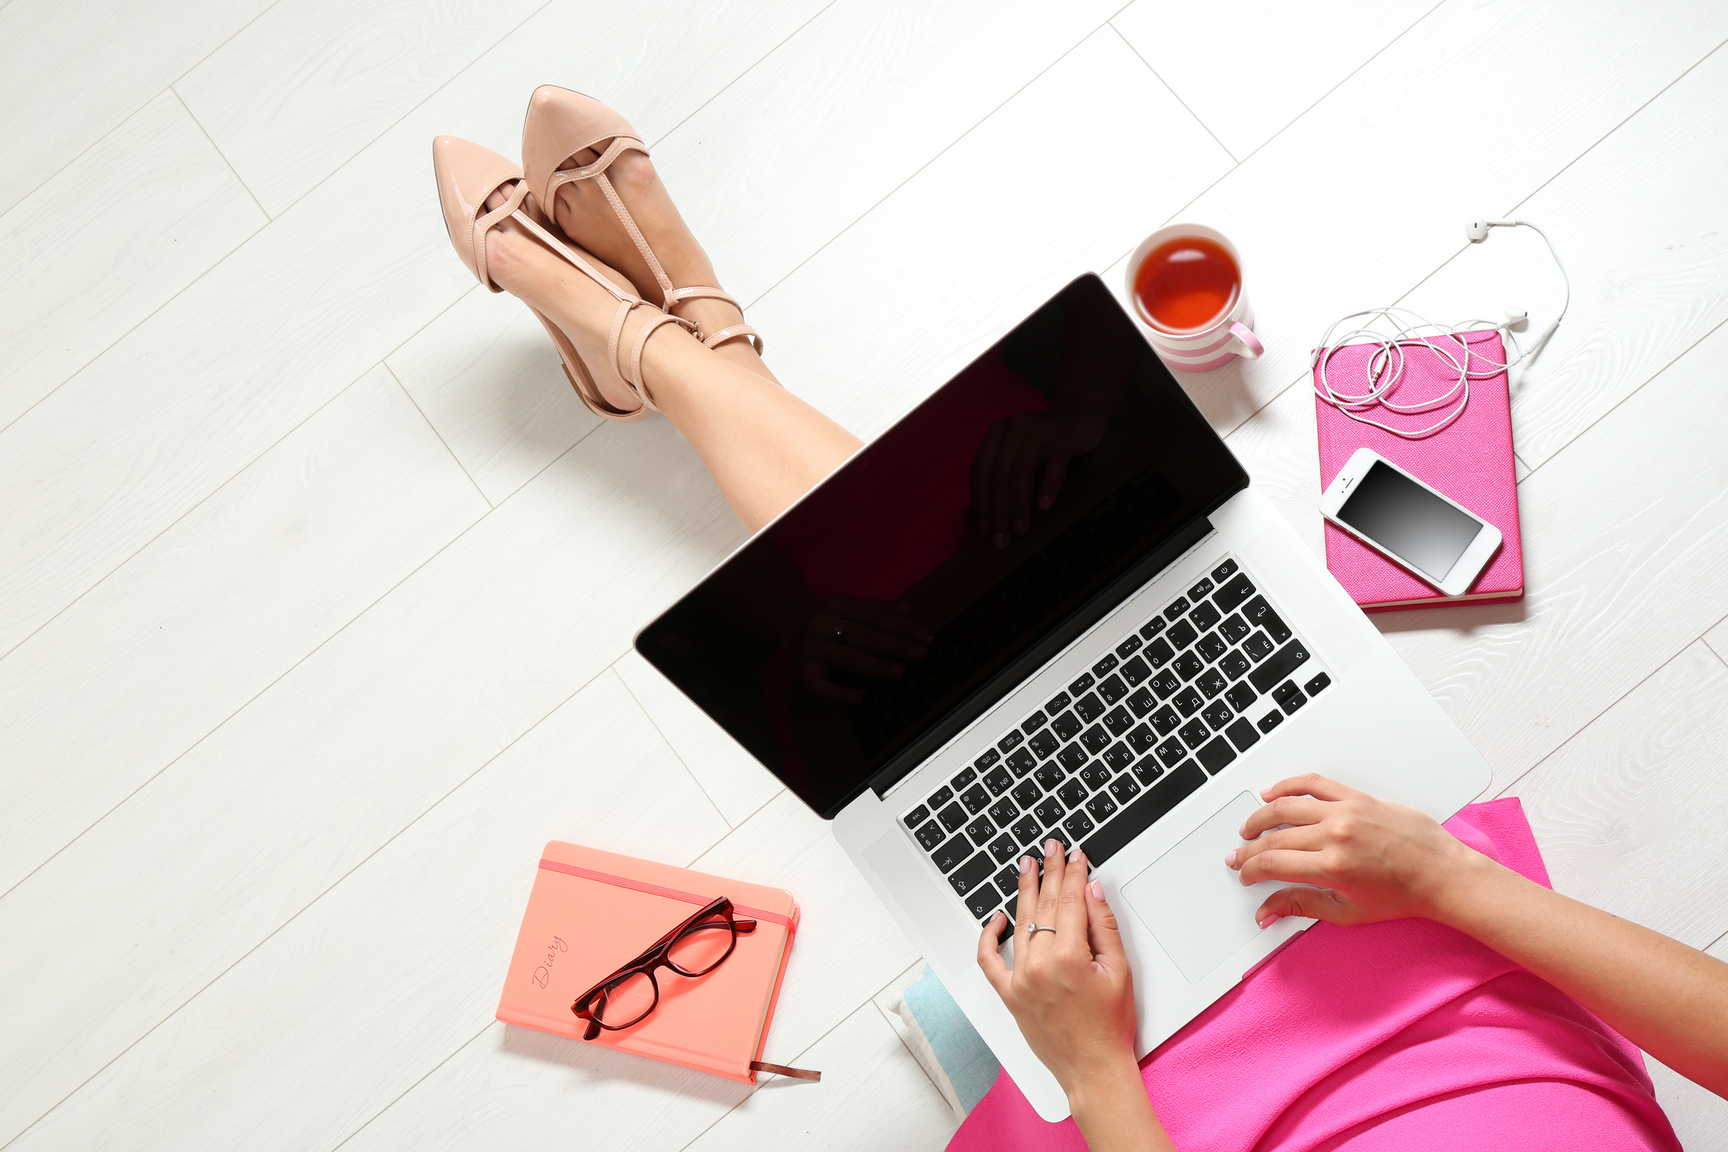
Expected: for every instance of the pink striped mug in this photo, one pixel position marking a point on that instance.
(1216, 342)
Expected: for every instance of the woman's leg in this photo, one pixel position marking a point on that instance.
(763, 445)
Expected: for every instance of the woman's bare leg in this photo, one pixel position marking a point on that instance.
(763, 445)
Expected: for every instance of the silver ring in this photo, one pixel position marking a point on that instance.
(840, 628)
(1031, 928)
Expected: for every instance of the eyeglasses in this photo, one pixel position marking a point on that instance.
(694, 948)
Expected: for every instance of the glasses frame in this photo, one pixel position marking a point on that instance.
(591, 1003)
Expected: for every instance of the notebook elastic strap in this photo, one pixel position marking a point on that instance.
(782, 1070)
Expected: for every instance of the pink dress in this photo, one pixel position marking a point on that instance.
(1402, 1035)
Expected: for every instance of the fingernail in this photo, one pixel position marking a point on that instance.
(1026, 865)
(1052, 847)
(1096, 889)
(1269, 919)
(1044, 502)
(1230, 858)
(926, 635)
(1074, 853)
(1019, 527)
(1000, 541)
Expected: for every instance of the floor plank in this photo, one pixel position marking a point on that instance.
(311, 82)
(1268, 61)
(209, 613)
(1625, 813)
(72, 70)
(169, 208)
(1717, 638)
(399, 965)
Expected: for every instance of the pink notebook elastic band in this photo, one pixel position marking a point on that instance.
(657, 890)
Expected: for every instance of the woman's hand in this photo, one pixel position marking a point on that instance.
(1372, 859)
(1025, 451)
(865, 637)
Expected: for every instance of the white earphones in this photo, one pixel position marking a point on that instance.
(1385, 367)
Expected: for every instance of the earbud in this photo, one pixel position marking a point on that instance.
(1477, 230)
(1517, 319)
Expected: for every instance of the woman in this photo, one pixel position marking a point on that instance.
(588, 231)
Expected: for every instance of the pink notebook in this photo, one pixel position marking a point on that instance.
(1471, 462)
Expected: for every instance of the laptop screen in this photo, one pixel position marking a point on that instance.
(945, 561)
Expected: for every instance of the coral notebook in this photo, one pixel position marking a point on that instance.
(592, 911)
(1470, 461)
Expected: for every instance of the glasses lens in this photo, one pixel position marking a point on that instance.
(701, 948)
(625, 1000)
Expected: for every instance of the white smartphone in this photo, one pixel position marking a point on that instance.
(1406, 521)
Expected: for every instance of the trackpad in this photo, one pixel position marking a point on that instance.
(1192, 902)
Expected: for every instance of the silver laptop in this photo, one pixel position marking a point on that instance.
(1125, 673)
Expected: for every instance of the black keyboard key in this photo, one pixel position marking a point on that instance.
(980, 830)
(1095, 775)
(1232, 594)
(1129, 646)
(1165, 720)
(1187, 666)
(1008, 881)
(1095, 738)
(1171, 752)
(1224, 571)
(1088, 708)
(1158, 653)
(1211, 682)
(1204, 616)
(1242, 735)
(1112, 689)
(1066, 726)
(1176, 610)
(975, 799)
(1217, 714)
(1316, 685)
(1277, 666)
(1003, 849)
(1289, 697)
(1080, 685)
(1049, 810)
(983, 900)
(1271, 720)
(1148, 770)
(1234, 628)
(1104, 665)
(984, 762)
(1235, 666)
(1004, 811)
(1181, 635)
(1044, 744)
(1195, 733)
(1057, 703)
(1071, 757)
(1020, 763)
(998, 780)
(949, 854)
(1118, 721)
(1117, 756)
(1033, 722)
(917, 816)
(1260, 613)
(1050, 775)
(1011, 741)
(1077, 826)
(1152, 804)
(1072, 792)
(1188, 701)
(965, 777)
(1142, 702)
(1215, 755)
(1141, 740)
(1201, 590)
(1134, 671)
(1124, 788)
(1152, 627)
(1211, 646)
(930, 835)
(952, 817)
(1026, 794)
(940, 797)
(1258, 646)
(1101, 807)
(972, 874)
(1026, 830)
(1165, 683)
(1241, 695)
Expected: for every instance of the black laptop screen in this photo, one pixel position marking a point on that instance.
(874, 619)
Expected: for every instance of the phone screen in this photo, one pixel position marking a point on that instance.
(1406, 519)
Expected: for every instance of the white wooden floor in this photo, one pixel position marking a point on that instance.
(317, 583)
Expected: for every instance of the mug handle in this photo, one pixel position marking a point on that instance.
(1247, 345)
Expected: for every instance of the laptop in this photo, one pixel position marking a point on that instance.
(1125, 672)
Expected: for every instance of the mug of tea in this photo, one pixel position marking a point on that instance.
(1186, 284)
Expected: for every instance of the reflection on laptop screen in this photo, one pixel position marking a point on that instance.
(783, 645)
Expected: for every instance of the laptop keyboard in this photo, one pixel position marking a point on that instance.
(1101, 761)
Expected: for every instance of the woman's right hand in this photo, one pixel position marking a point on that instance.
(1361, 859)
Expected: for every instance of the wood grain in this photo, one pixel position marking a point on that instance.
(209, 613)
